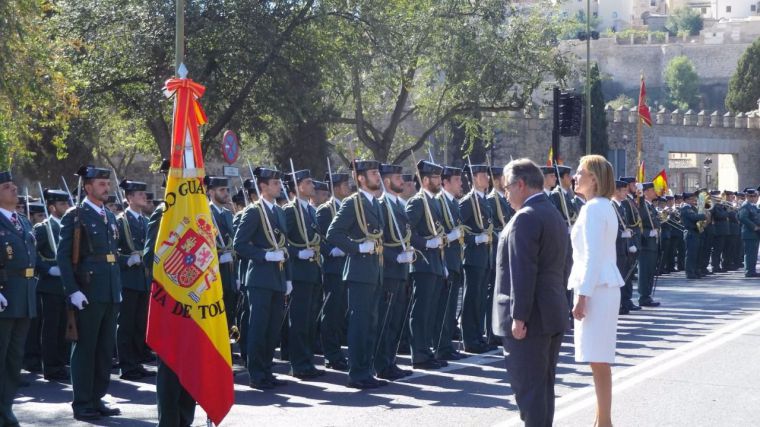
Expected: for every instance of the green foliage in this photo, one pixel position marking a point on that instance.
(684, 20)
(744, 86)
(570, 27)
(599, 142)
(400, 70)
(682, 82)
(622, 101)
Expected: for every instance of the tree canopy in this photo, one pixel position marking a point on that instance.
(682, 82)
(744, 86)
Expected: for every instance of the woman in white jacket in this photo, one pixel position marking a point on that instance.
(595, 279)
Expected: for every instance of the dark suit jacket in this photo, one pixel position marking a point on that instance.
(530, 265)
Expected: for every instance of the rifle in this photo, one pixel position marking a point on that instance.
(426, 208)
(26, 202)
(72, 333)
(48, 226)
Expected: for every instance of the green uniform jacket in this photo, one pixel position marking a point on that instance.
(649, 222)
(251, 242)
(554, 196)
(502, 212)
(689, 218)
(345, 233)
(136, 276)
(19, 254)
(474, 254)
(223, 221)
(720, 219)
(433, 261)
(241, 263)
(46, 258)
(749, 216)
(304, 270)
(325, 215)
(99, 280)
(391, 247)
(454, 250)
(150, 240)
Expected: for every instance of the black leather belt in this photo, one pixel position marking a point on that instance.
(109, 258)
(26, 273)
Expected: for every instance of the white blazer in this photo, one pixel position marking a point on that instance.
(594, 252)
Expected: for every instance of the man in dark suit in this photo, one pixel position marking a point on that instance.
(530, 306)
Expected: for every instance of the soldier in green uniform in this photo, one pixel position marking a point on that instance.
(502, 212)
(689, 218)
(219, 196)
(649, 246)
(335, 294)
(93, 285)
(428, 271)
(409, 191)
(133, 314)
(633, 223)
(679, 245)
(477, 218)
(448, 199)
(175, 405)
(261, 239)
(358, 231)
(53, 315)
(304, 253)
(749, 216)
(733, 251)
(720, 233)
(398, 254)
(17, 294)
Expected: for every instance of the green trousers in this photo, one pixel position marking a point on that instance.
(12, 338)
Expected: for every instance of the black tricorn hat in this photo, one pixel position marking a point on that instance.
(473, 169)
(364, 165)
(627, 179)
(36, 208)
(497, 171)
(388, 169)
(426, 168)
(620, 184)
(321, 186)
(647, 185)
(563, 170)
(547, 170)
(5, 176)
(449, 171)
(127, 185)
(266, 173)
(337, 177)
(92, 172)
(52, 196)
(216, 181)
(299, 175)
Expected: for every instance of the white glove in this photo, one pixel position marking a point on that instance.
(454, 234)
(237, 284)
(405, 257)
(433, 243)
(78, 300)
(306, 254)
(653, 233)
(336, 252)
(275, 256)
(367, 247)
(288, 287)
(54, 271)
(225, 258)
(3, 303)
(632, 249)
(445, 272)
(627, 234)
(134, 260)
(481, 238)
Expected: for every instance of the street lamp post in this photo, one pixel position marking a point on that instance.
(707, 163)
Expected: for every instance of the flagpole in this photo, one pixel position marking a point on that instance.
(638, 126)
(179, 44)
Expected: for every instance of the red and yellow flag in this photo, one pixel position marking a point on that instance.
(641, 175)
(187, 324)
(550, 160)
(644, 114)
(660, 183)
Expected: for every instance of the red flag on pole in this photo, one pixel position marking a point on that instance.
(644, 114)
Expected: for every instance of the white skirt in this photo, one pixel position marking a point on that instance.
(596, 334)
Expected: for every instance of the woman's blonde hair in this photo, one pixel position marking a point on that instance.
(602, 170)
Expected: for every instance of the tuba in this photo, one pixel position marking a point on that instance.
(704, 204)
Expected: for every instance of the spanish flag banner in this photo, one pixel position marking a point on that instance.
(641, 175)
(644, 115)
(660, 183)
(187, 325)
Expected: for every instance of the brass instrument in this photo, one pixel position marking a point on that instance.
(671, 217)
(704, 204)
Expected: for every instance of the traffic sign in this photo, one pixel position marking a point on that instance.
(230, 147)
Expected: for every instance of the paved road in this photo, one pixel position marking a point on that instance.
(692, 361)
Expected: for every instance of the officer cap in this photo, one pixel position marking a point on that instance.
(215, 181)
(497, 171)
(5, 177)
(620, 184)
(321, 186)
(547, 170)
(449, 171)
(564, 170)
(678, 196)
(751, 192)
(386, 169)
(248, 184)
(474, 169)
(92, 172)
(299, 175)
(688, 195)
(364, 165)
(36, 208)
(715, 192)
(127, 185)
(647, 185)
(728, 192)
